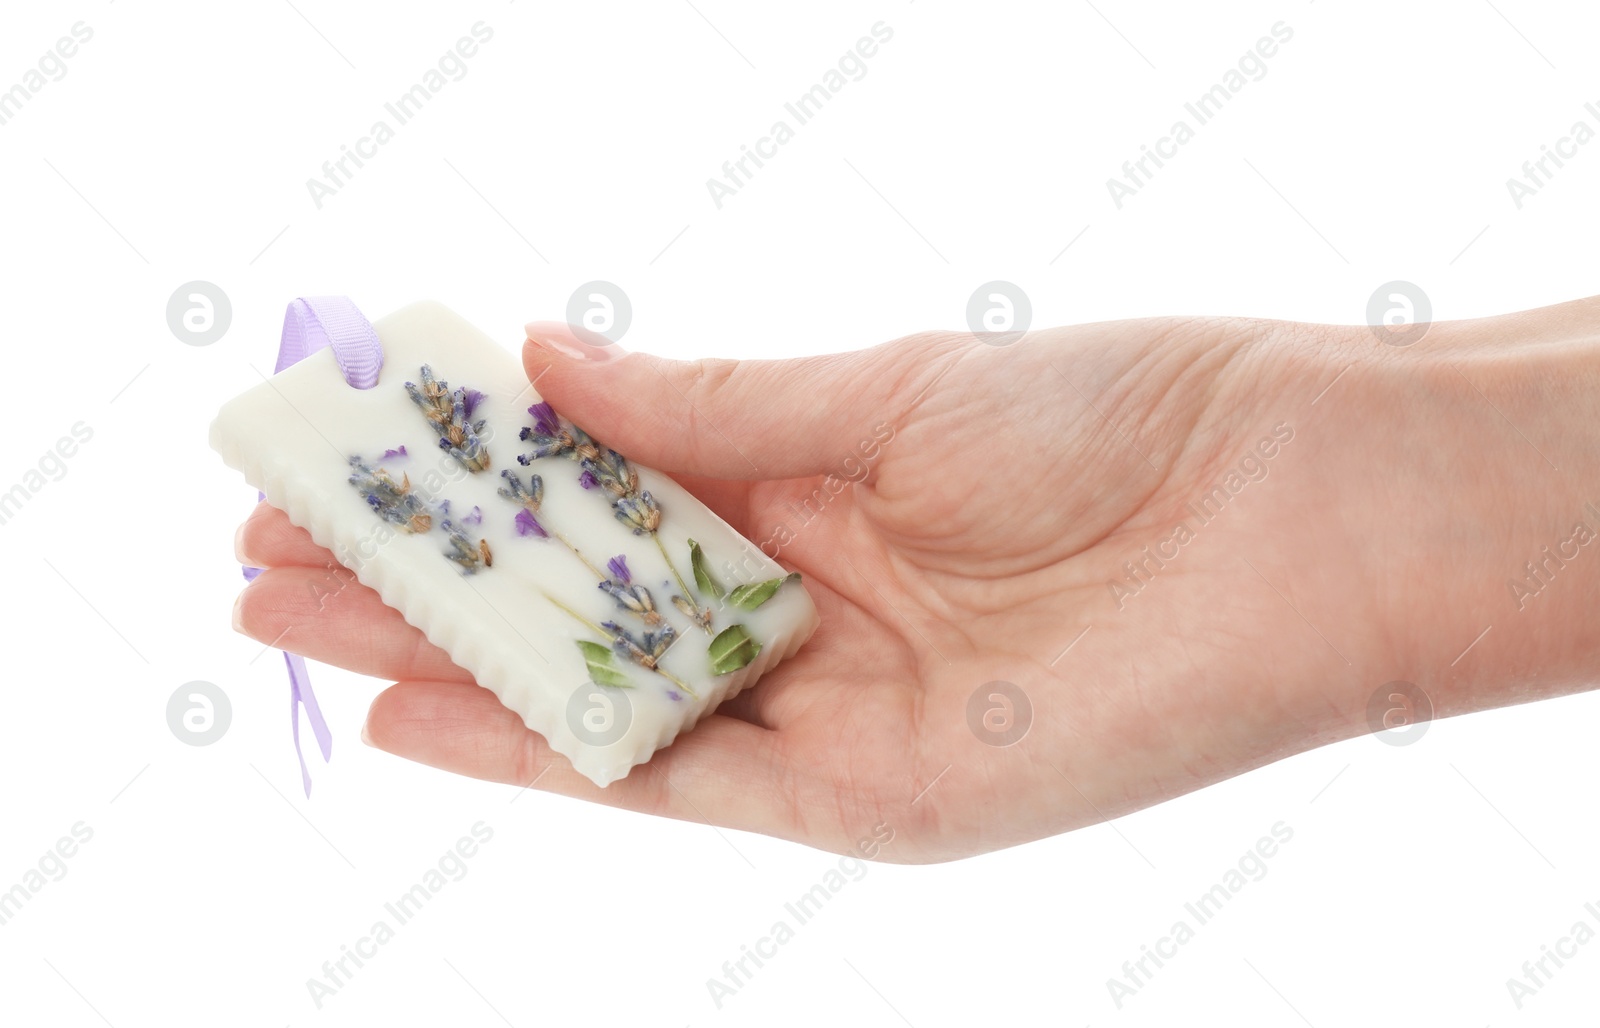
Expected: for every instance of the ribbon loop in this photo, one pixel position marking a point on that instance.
(310, 324)
(313, 323)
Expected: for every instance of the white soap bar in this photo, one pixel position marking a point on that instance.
(518, 580)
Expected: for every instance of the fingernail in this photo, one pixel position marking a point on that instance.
(366, 736)
(238, 543)
(560, 338)
(238, 619)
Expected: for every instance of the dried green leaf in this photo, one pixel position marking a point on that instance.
(755, 594)
(732, 649)
(703, 579)
(602, 666)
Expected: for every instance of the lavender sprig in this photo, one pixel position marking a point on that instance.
(645, 651)
(462, 550)
(612, 472)
(653, 640)
(701, 616)
(530, 498)
(554, 436)
(633, 598)
(639, 512)
(392, 501)
(449, 414)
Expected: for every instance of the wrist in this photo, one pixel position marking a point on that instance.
(1537, 376)
(1477, 508)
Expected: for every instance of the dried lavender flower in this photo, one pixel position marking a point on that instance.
(612, 472)
(633, 598)
(392, 501)
(529, 496)
(553, 437)
(462, 550)
(644, 651)
(640, 513)
(527, 524)
(449, 415)
(701, 616)
(545, 419)
(618, 566)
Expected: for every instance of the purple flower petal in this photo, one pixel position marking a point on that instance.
(475, 518)
(618, 566)
(672, 694)
(470, 401)
(526, 525)
(401, 452)
(544, 419)
(587, 480)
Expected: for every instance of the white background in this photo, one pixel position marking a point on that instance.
(977, 147)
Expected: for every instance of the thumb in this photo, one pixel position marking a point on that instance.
(732, 419)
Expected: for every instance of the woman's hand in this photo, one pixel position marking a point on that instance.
(1060, 579)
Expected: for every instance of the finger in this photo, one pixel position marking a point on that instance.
(729, 418)
(724, 771)
(326, 615)
(268, 539)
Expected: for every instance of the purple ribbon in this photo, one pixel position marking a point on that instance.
(314, 323)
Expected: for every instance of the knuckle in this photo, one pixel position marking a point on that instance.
(527, 760)
(706, 378)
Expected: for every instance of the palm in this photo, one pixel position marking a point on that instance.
(959, 565)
